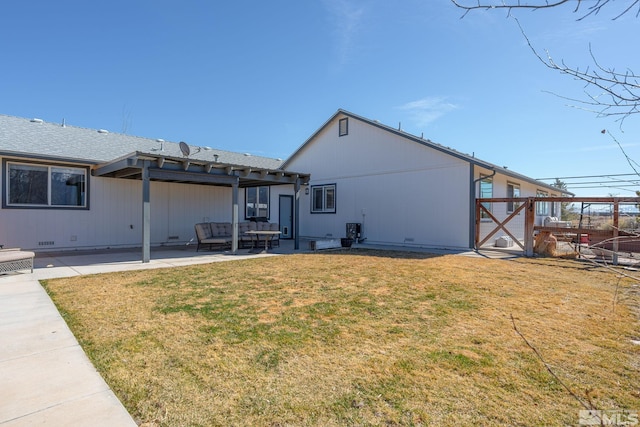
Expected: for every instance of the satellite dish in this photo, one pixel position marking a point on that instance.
(184, 147)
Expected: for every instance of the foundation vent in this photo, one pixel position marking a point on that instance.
(47, 243)
(173, 237)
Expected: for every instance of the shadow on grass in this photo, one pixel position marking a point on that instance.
(380, 253)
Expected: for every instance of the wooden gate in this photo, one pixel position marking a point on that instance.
(521, 224)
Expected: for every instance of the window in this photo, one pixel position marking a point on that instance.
(33, 185)
(542, 208)
(323, 199)
(486, 192)
(257, 202)
(513, 191)
(343, 127)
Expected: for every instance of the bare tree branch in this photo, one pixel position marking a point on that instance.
(588, 405)
(630, 161)
(511, 5)
(608, 92)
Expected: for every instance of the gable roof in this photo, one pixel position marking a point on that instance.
(34, 138)
(426, 142)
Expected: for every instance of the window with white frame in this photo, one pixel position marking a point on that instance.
(542, 208)
(30, 185)
(257, 202)
(323, 198)
(486, 192)
(513, 192)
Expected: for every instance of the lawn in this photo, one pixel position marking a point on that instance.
(361, 338)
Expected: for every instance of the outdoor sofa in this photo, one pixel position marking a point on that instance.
(15, 259)
(218, 235)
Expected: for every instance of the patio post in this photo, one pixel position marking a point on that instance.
(234, 217)
(146, 213)
(529, 223)
(296, 215)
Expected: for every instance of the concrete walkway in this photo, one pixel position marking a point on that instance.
(45, 376)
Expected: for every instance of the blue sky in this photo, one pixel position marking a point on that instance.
(261, 77)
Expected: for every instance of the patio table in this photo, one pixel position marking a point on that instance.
(268, 236)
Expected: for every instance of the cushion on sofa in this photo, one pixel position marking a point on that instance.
(203, 231)
(220, 229)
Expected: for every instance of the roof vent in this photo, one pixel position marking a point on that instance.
(103, 131)
(159, 140)
(36, 120)
(247, 154)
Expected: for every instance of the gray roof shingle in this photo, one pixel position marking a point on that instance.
(33, 137)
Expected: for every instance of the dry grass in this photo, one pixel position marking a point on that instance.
(359, 338)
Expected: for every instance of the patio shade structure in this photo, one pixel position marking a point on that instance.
(148, 167)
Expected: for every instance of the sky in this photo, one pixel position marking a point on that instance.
(261, 77)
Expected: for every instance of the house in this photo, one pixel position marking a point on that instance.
(66, 187)
(400, 188)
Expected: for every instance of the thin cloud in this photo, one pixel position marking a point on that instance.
(346, 18)
(427, 110)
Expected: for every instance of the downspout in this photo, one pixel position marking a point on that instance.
(472, 204)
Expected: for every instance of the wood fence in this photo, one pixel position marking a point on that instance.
(524, 237)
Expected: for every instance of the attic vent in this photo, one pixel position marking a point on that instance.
(247, 154)
(103, 131)
(36, 120)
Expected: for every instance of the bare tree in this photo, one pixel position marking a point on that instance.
(608, 92)
(594, 9)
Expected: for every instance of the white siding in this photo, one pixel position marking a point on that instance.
(175, 208)
(403, 192)
(115, 217)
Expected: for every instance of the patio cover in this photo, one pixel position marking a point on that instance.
(149, 167)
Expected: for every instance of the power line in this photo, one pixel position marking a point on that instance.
(589, 176)
(602, 182)
(616, 181)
